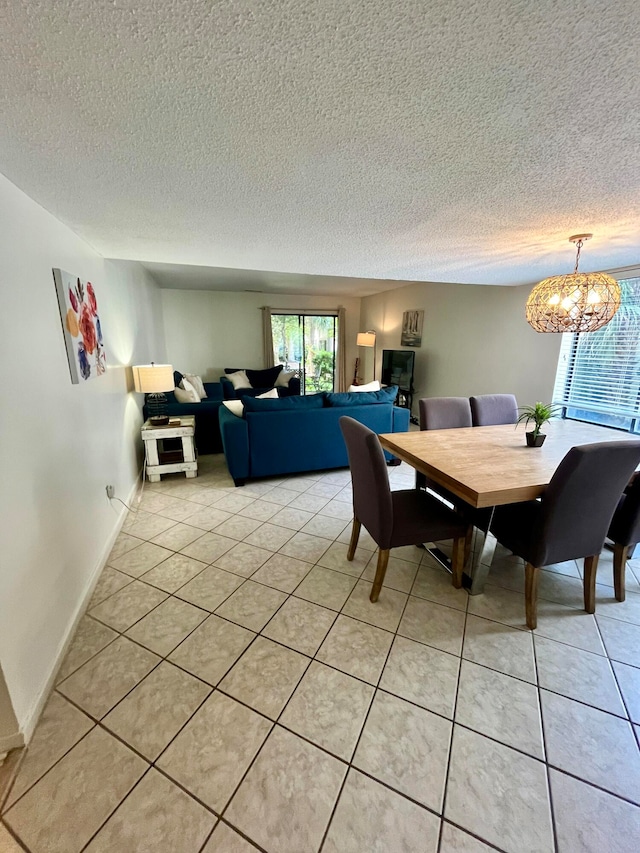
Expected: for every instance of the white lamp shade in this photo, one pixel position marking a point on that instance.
(153, 378)
(366, 339)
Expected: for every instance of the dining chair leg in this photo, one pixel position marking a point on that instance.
(620, 556)
(458, 560)
(531, 594)
(355, 535)
(381, 569)
(590, 569)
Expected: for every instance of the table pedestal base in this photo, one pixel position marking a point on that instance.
(483, 548)
(482, 551)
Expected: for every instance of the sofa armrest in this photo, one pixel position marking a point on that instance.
(293, 388)
(213, 390)
(235, 444)
(228, 391)
(400, 419)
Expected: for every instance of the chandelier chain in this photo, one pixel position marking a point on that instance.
(579, 245)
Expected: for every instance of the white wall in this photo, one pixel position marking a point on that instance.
(207, 331)
(61, 443)
(9, 730)
(475, 340)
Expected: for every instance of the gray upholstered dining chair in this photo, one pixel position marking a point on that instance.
(406, 517)
(442, 413)
(494, 409)
(624, 532)
(571, 519)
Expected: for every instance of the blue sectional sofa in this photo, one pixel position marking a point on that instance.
(294, 434)
(207, 435)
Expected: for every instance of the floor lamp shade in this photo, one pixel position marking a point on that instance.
(366, 339)
(154, 380)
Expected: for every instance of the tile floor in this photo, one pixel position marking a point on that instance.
(232, 689)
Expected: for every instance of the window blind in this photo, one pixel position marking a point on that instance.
(598, 378)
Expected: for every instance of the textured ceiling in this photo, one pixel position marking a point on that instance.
(448, 140)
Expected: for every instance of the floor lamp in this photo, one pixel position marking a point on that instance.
(366, 339)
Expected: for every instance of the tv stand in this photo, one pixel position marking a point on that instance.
(405, 398)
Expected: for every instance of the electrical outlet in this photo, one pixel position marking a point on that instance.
(111, 492)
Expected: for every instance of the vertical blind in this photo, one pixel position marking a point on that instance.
(598, 378)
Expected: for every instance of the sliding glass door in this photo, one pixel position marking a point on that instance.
(306, 343)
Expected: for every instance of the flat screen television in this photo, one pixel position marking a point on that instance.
(397, 367)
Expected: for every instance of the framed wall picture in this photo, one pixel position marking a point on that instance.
(81, 326)
(412, 329)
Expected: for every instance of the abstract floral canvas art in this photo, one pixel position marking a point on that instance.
(81, 325)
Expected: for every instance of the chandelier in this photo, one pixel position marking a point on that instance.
(577, 302)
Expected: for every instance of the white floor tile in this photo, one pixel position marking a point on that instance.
(284, 593)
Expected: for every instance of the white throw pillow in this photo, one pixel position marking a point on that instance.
(187, 386)
(183, 395)
(268, 395)
(197, 383)
(371, 386)
(239, 379)
(234, 406)
(283, 379)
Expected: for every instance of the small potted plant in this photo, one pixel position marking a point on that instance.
(539, 415)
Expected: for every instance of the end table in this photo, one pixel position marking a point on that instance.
(161, 461)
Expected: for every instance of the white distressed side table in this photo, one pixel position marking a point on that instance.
(160, 461)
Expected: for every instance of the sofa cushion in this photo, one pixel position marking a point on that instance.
(187, 385)
(187, 394)
(177, 378)
(264, 378)
(235, 406)
(311, 401)
(197, 383)
(239, 379)
(284, 378)
(272, 394)
(360, 389)
(360, 398)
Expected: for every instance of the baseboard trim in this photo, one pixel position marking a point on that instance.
(29, 723)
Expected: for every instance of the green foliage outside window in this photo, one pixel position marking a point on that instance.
(321, 379)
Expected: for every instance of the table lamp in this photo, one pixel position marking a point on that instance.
(154, 380)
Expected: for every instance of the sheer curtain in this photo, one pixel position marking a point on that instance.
(341, 366)
(267, 338)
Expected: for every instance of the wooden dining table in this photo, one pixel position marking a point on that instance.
(492, 466)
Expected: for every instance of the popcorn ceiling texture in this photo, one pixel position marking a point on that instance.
(447, 140)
